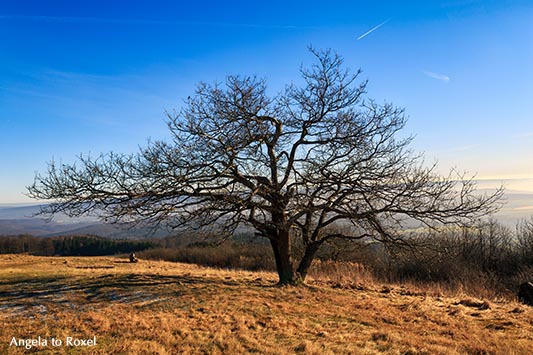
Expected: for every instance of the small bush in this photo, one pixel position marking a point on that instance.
(226, 255)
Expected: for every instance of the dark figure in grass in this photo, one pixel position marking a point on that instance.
(525, 293)
(133, 258)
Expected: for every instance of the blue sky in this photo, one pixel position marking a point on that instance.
(94, 76)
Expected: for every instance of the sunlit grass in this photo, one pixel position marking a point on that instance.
(169, 308)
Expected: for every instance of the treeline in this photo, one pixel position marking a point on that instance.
(488, 258)
(81, 245)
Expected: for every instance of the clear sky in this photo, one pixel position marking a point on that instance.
(94, 76)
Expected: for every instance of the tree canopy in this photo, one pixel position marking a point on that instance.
(316, 162)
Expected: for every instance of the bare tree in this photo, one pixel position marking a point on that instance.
(290, 166)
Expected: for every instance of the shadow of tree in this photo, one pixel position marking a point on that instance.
(120, 288)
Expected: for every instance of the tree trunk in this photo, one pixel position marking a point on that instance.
(306, 261)
(282, 255)
(277, 258)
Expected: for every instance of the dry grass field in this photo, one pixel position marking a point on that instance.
(169, 308)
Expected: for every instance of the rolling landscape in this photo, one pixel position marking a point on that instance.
(22, 219)
(19, 220)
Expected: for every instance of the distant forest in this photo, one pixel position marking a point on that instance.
(70, 245)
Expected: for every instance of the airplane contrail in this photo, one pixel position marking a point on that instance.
(372, 30)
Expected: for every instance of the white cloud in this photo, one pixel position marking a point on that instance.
(437, 76)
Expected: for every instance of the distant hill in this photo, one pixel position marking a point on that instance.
(41, 228)
(22, 219)
(16, 220)
(30, 211)
(34, 226)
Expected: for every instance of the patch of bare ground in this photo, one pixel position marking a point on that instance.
(156, 307)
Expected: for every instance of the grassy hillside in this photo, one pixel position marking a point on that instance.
(170, 308)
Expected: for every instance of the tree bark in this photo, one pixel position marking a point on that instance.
(277, 258)
(306, 261)
(282, 255)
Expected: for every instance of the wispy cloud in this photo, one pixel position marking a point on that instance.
(124, 21)
(437, 76)
(29, 92)
(523, 208)
(524, 135)
(73, 19)
(458, 149)
(372, 30)
(460, 3)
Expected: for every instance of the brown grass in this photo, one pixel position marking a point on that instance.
(155, 307)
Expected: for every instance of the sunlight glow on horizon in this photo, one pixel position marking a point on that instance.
(510, 184)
